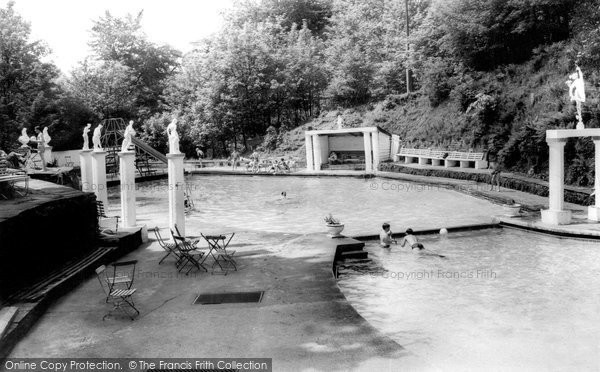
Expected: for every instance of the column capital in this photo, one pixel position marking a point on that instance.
(596, 139)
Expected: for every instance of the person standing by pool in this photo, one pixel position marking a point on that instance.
(495, 175)
(234, 159)
(385, 236)
(41, 147)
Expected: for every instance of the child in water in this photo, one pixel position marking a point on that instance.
(385, 236)
(414, 244)
(411, 240)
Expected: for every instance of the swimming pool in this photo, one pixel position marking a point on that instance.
(254, 203)
(503, 298)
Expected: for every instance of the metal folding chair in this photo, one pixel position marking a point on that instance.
(121, 298)
(217, 245)
(106, 223)
(192, 242)
(189, 254)
(170, 248)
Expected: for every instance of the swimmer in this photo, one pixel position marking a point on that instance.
(385, 236)
(284, 194)
(414, 244)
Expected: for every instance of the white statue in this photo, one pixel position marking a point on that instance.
(129, 133)
(96, 138)
(47, 137)
(173, 137)
(24, 138)
(577, 93)
(340, 122)
(86, 137)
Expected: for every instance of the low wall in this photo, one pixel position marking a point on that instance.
(531, 186)
(42, 231)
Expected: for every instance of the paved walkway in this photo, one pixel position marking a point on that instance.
(303, 322)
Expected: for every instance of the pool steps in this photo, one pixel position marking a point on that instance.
(349, 248)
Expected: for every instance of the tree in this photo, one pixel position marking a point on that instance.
(486, 33)
(27, 87)
(120, 41)
(107, 88)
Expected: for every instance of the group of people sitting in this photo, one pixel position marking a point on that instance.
(273, 166)
(386, 238)
(12, 160)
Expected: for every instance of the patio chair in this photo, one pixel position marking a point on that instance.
(68, 161)
(192, 242)
(218, 250)
(170, 248)
(189, 254)
(106, 224)
(121, 298)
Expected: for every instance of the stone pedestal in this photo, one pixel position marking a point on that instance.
(555, 215)
(127, 175)
(176, 192)
(85, 162)
(594, 210)
(48, 154)
(99, 176)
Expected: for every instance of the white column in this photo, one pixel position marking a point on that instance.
(555, 215)
(99, 176)
(368, 158)
(310, 166)
(176, 192)
(317, 152)
(395, 146)
(594, 210)
(85, 161)
(375, 141)
(127, 173)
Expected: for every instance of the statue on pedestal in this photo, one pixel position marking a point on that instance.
(96, 139)
(24, 138)
(577, 93)
(173, 137)
(340, 122)
(129, 133)
(86, 138)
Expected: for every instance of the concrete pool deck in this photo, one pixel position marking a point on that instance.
(303, 321)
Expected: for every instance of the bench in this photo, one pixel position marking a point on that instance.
(466, 159)
(442, 157)
(349, 157)
(410, 155)
(9, 178)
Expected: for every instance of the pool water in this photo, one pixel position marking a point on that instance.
(503, 298)
(254, 203)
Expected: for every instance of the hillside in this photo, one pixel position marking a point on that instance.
(506, 111)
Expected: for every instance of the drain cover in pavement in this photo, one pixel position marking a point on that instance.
(228, 298)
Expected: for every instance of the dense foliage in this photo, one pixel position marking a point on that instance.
(488, 74)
